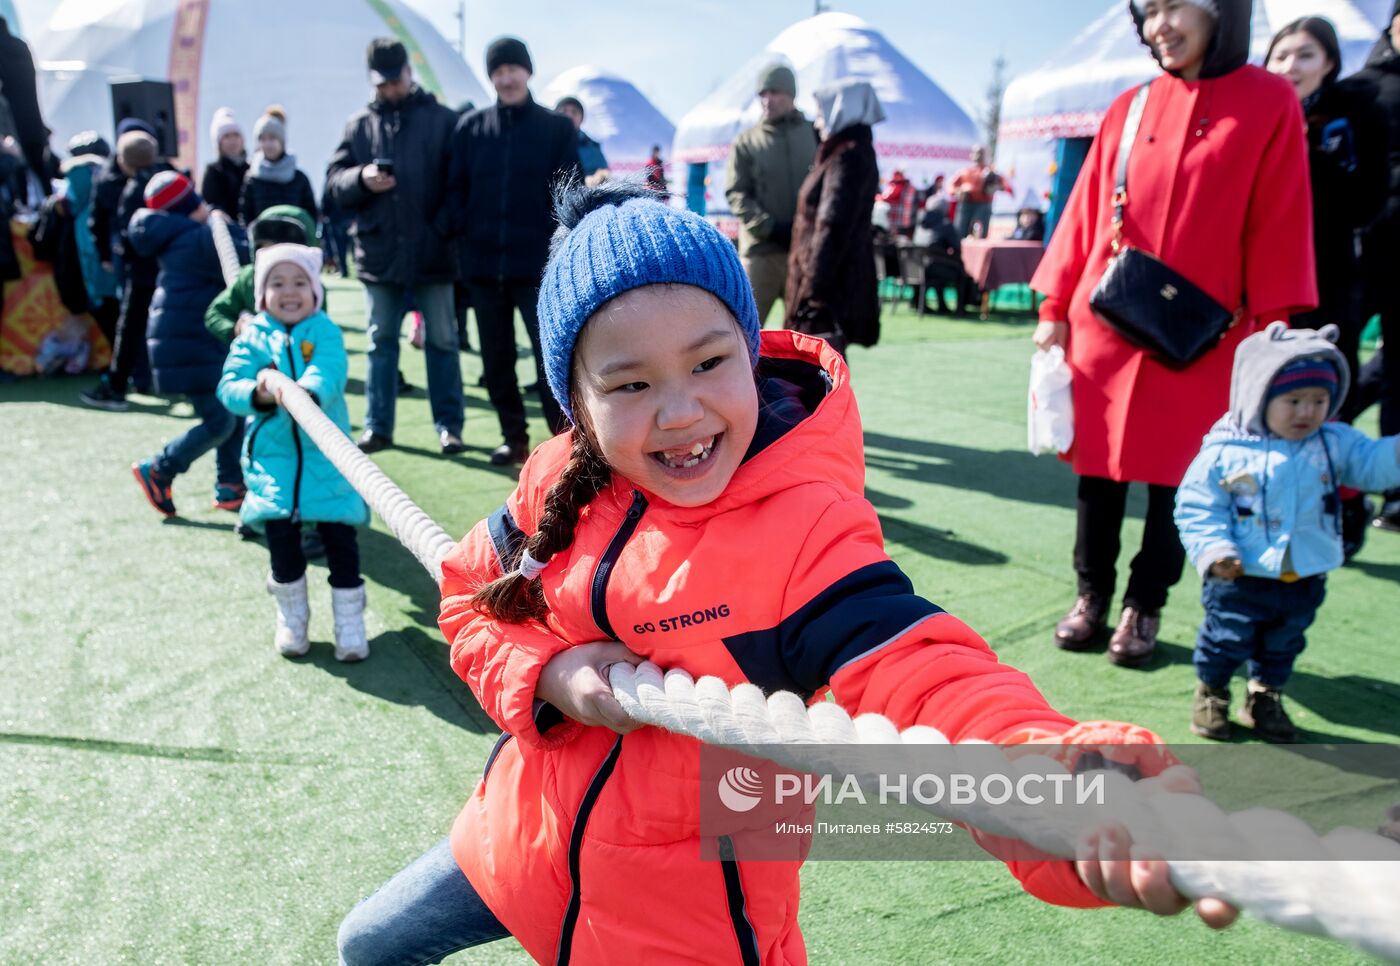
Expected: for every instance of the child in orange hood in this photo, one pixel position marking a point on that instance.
(706, 511)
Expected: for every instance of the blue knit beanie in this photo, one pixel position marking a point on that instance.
(616, 237)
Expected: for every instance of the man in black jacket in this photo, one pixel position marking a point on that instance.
(505, 158)
(389, 175)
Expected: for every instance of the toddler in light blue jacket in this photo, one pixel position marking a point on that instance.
(1260, 517)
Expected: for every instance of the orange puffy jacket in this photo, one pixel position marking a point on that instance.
(584, 843)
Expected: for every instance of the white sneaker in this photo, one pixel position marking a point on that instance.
(348, 605)
(293, 614)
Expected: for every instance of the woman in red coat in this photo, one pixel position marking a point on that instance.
(1218, 190)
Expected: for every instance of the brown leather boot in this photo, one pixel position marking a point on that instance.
(1135, 639)
(1083, 626)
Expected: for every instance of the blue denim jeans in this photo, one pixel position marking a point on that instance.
(426, 912)
(1256, 621)
(387, 304)
(217, 429)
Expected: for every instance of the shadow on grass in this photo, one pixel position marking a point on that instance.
(1381, 571)
(1007, 474)
(408, 666)
(933, 542)
(64, 390)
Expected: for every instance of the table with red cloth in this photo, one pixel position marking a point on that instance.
(992, 263)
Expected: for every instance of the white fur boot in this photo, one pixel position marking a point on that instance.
(293, 615)
(348, 604)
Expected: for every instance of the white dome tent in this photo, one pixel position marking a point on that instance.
(244, 54)
(925, 132)
(616, 115)
(1065, 99)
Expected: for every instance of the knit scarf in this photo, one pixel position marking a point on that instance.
(281, 171)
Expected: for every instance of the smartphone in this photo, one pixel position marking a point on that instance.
(385, 165)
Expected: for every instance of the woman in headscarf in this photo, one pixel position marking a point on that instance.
(831, 285)
(273, 176)
(1218, 191)
(1347, 164)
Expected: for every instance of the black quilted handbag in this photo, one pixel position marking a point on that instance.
(1144, 300)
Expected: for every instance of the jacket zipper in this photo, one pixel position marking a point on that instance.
(598, 596)
(599, 592)
(738, 911)
(296, 435)
(585, 809)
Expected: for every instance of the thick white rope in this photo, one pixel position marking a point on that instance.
(415, 529)
(1337, 895)
(1351, 892)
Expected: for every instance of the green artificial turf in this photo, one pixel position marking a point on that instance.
(173, 791)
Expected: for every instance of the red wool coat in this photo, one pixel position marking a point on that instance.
(1218, 189)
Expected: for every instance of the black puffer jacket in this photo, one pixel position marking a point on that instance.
(400, 235)
(1383, 70)
(504, 162)
(222, 184)
(260, 194)
(139, 267)
(1348, 168)
(106, 196)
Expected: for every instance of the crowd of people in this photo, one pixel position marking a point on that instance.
(676, 418)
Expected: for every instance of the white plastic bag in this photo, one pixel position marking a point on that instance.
(1049, 406)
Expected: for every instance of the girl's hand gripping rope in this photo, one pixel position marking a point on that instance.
(576, 682)
(1117, 872)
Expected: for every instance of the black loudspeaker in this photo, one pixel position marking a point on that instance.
(152, 102)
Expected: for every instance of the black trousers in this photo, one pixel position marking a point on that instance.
(494, 304)
(1156, 567)
(289, 563)
(130, 345)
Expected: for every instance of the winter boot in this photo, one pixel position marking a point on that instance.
(1210, 712)
(348, 603)
(293, 615)
(1263, 711)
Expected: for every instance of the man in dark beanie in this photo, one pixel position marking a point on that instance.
(767, 164)
(390, 176)
(505, 158)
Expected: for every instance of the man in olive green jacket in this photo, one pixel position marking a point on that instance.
(767, 164)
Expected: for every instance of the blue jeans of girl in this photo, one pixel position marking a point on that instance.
(1258, 622)
(426, 912)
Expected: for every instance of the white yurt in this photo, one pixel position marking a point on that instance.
(616, 115)
(925, 132)
(1049, 114)
(243, 54)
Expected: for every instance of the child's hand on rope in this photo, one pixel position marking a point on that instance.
(262, 395)
(576, 682)
(1117, 872)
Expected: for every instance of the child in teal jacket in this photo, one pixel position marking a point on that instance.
(289, 480)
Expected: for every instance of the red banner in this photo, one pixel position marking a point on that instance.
(186, 50)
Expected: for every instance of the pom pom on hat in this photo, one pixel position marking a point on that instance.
(617, 237)
(171, 191)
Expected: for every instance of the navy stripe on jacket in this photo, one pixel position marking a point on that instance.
(507, 539)
(858, 614)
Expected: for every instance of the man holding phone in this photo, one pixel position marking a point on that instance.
(390, 175)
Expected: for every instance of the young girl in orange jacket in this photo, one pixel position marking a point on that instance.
(706, 512)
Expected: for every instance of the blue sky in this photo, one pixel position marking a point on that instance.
(677, 51)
